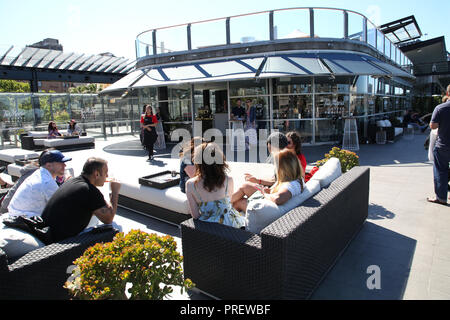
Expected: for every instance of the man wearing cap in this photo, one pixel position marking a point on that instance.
(72, 206)
(30, 199)
(73, 129)
(34, 193)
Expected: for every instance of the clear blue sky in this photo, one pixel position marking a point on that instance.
(94, 26)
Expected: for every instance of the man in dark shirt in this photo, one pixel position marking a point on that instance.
(441, 120)
(238, 112)
(71, 207)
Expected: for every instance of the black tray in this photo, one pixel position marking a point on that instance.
(160, 180)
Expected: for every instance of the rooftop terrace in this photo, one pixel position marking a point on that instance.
(407, 237)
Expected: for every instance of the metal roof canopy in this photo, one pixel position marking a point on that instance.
(276, 65)
(35, 64)
(428, 57)
(402, 30)
(428, 51)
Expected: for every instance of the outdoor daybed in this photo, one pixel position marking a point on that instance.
(27, 139)
(37, 140)
(170, 204)
(8, 156)
(41, 273)
(67, 143)
(289, 257)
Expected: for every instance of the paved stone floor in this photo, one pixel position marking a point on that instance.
(405, 239)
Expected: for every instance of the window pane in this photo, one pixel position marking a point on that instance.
(328, 130)
(292, 107)
(331, 105)
(328, 23)
(291, 24)
(247, 88)
(292, 85)
(357, 105)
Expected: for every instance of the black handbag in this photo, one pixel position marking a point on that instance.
(32, 225)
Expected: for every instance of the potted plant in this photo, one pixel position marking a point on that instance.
(133, 266)
(347, 158)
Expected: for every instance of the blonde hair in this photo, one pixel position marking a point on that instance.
(288, 168)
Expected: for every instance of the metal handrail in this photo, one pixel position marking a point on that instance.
(243, 15)
(188, 26)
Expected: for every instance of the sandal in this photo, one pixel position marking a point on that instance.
(436, 201)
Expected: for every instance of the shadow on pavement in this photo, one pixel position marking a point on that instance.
(389, 253)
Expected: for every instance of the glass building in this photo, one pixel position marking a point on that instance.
(303, 69)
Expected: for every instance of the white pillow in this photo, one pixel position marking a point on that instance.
(38, 134)
(380, 123)
(327, 173)
(16, 243)
(261, 213)
(387, 123)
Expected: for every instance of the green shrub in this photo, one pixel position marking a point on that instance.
(136, 266)
(347, 158)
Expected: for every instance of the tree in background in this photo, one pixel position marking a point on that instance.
(90, 88)
(14, 86)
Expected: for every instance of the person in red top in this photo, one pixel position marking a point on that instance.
(295, 143)
(148, 127)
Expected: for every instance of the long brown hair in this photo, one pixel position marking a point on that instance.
(210, 165)
(296, 141)
(288, 168)
(188, 148)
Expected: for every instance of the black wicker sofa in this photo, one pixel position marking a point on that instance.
(290, 257)
(41, 273)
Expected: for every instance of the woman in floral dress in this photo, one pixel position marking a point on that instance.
(209, 192)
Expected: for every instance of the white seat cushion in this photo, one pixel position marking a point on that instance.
(54, 143)
(11, 155)
(39, 142)
(43, 134)
(327, 173)
(261, 213)
(173, 199)
(398, 131)
(15, 243)
(38, 134)
(380, 123)
(14, 170)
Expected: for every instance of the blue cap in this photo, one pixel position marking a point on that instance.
(53, 156)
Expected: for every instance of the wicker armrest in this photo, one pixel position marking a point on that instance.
(219, 233)
(41, 273)
(55, 251)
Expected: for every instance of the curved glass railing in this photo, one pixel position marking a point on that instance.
(269, 26)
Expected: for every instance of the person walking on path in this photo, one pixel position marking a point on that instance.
(441, 120)
(148, 127)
